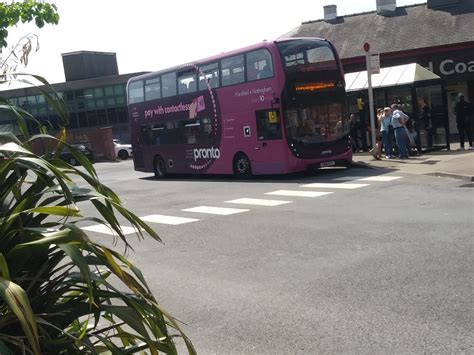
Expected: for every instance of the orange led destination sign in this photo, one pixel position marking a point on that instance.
(315, 86)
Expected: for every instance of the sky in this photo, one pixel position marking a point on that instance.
(149, 35)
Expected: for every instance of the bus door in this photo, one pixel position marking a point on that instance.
(269, 148)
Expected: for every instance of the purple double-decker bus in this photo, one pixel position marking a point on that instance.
(272, 108)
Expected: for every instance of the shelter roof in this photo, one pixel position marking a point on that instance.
(391, 76)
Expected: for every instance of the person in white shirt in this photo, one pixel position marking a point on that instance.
(399, 119)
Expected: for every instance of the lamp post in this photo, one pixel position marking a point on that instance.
(371, 94)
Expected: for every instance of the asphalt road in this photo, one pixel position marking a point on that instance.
(381, 268)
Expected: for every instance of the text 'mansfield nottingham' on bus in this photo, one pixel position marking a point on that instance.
(272, 108)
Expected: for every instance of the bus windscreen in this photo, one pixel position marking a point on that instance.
(313, 98)
(307, 55)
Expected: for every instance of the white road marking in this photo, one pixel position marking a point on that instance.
(298, 193)
(259, 202)
(369, 178)
(347, 186)
(158, 218)
(381, 178)
(348, 178)
(101, 228)
(222, 211)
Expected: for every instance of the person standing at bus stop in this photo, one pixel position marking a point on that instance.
(464, 120)
(386, 132)
(399, 119)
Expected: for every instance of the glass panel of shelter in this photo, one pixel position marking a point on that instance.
(431, 116)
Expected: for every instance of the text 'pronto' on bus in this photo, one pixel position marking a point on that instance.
(272, 108)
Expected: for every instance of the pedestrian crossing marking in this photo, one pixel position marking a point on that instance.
(369, 178)
(348, 186)
(222, 211)
(381, 178)
(259, 202)
(172, 220)
(298, 193)
(105, 229)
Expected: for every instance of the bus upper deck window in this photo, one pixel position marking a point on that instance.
(168, 84)
(187, 82)
(152, 89)
(209, 75)
(259, 65)
(135, 92)
(232, 70)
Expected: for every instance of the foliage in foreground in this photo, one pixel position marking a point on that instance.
(61, 291)
(25, 11)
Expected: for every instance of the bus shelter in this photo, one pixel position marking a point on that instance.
(411, 86)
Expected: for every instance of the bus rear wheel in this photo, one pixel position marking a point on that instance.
(159, 167)
(242, 167)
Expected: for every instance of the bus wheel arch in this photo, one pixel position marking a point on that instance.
(241, 165)
(159, 167)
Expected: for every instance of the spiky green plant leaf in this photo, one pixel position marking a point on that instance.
(62, 290)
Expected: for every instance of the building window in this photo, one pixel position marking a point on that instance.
(122, 115)
(112, 116)
(73, 120)
(82, 119)
(92, 118)
(119, 90)
(98, 92)
(102, 118)
(109, 91)
(120, 100)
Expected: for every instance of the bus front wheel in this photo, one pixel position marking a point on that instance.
(159, 167)
(242, 167)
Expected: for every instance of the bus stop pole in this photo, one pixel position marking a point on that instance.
(371, 96)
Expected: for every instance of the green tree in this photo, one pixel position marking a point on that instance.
(25, 11)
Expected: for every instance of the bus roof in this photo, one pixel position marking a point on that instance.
(264, 44)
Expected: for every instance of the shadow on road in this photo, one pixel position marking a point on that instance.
(324, 173)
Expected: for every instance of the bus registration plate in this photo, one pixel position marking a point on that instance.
(328, 163)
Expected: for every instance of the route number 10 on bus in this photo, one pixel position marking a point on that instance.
(272, 108)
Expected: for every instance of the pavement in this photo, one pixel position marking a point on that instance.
(446, 163)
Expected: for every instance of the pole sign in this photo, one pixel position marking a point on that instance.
(375, 63)
(368, 63)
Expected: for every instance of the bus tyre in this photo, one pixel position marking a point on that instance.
(242, 167)
(159, 167)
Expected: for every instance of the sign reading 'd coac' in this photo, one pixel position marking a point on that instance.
(450, 67)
